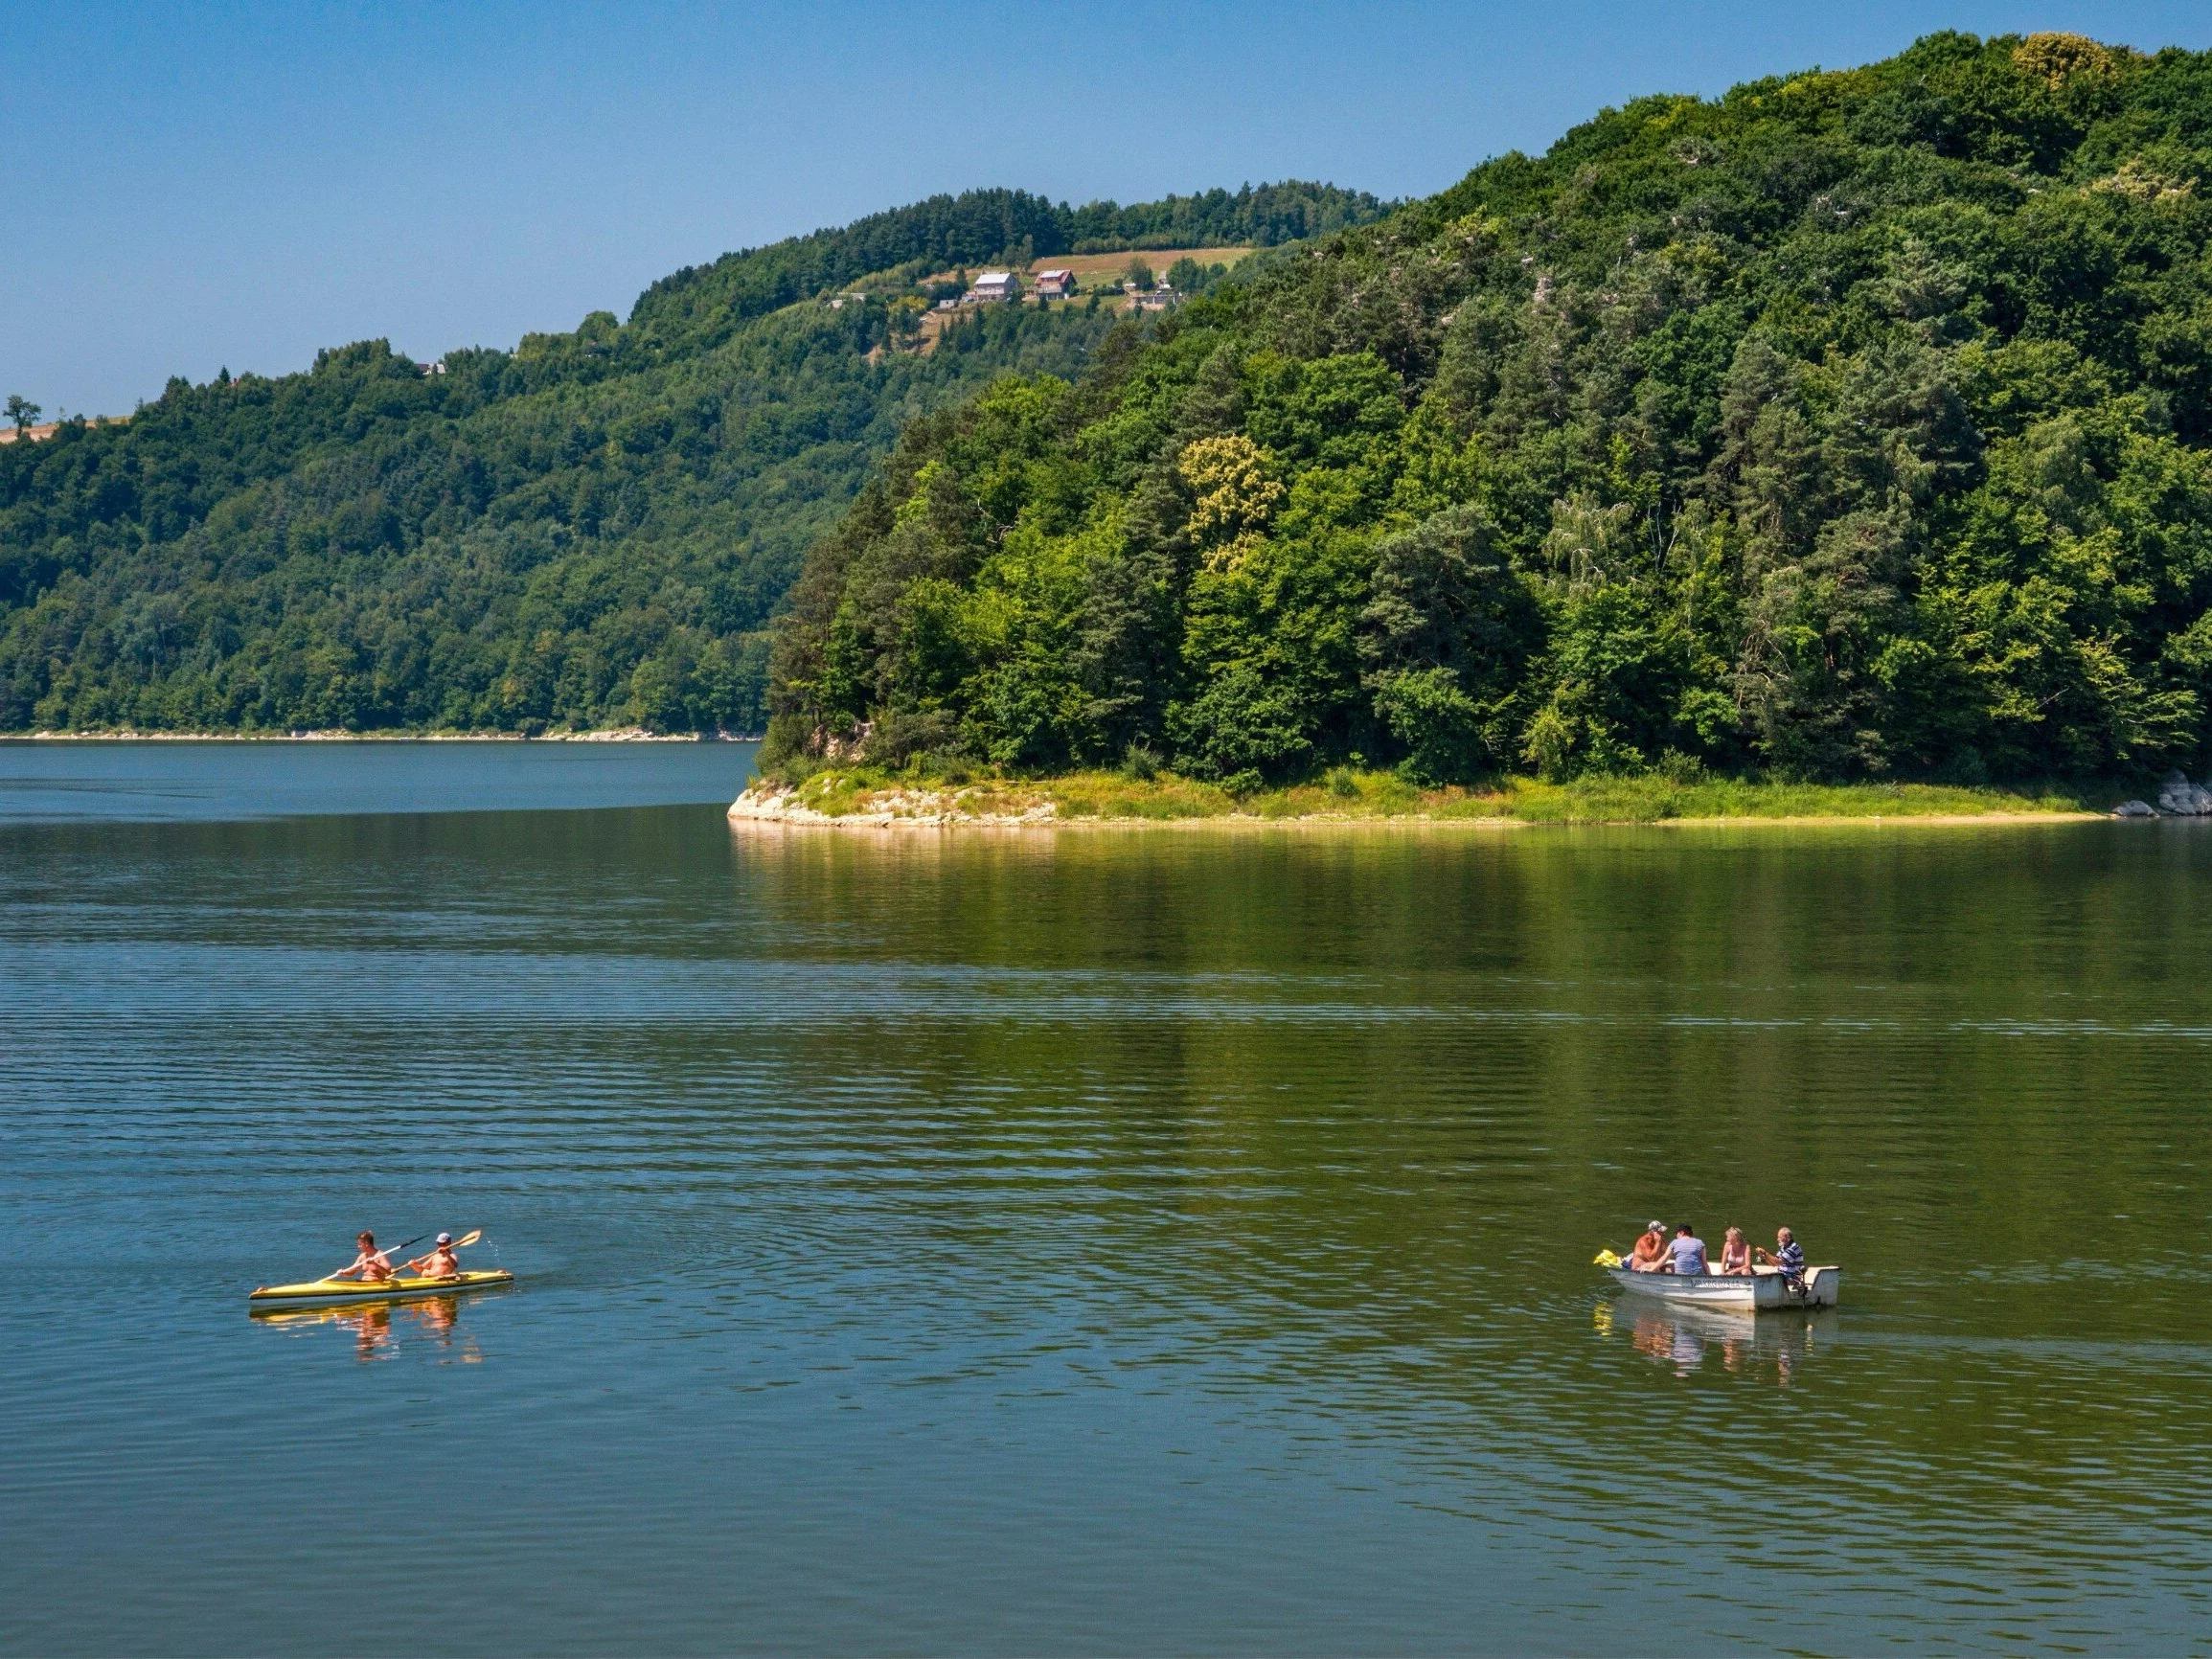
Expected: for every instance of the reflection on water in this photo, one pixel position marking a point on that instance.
(435, 1318)
(1094, 1240)
(1766, 1346)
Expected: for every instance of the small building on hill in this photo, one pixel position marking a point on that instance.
(994, 285)
(1055, 284)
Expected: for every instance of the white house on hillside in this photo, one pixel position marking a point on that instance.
(995, 285)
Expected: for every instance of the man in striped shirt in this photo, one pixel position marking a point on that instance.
(1788, 1256)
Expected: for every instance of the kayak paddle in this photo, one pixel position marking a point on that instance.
(391, 1250)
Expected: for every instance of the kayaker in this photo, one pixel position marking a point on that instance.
(1788, 1256)
(1735, 1255)
(1687, 1252)
(442, 1262)
(1649, 1256)
(371, 1265)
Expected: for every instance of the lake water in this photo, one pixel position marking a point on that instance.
(1083, 1240)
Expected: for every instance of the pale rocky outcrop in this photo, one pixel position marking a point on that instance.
(2178, 798)
(2135, 809)
(886, 809)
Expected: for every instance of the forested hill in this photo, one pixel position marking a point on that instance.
(1850, 423)
(593, 529)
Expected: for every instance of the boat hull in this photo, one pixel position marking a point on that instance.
(330, 1292)
(1763, 1291)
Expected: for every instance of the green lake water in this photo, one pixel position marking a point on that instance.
(1081, 1241)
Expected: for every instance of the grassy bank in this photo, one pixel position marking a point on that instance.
(1346, 795)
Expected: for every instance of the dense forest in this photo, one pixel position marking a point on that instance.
(594, 529)
(1849, 424)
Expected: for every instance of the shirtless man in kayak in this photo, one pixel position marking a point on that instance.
(442, 1262)
(371, 1265)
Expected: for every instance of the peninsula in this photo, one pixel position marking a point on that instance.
(1848, 431)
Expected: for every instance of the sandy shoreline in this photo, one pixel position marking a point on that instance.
(1894, 820)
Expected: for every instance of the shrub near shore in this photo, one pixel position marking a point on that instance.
(1347, 794)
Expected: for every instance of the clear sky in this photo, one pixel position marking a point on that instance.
(193, 185)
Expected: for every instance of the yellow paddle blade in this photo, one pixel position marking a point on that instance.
(1607, 1259)
(467, 1238)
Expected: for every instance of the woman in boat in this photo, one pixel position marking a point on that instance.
(1735, 1255)
(371, 1265)
(1686, 1255)
(1649, 1256)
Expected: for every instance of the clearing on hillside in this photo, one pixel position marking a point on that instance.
(1090, 268)
(1095, 273)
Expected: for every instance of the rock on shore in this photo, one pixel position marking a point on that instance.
(2178, 798)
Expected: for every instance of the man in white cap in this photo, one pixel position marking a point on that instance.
(1649, 1256)
(441, 1262)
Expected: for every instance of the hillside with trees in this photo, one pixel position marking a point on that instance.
(593, 529)
(1847, 425)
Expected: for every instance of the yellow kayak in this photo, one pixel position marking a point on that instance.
(394, 1289)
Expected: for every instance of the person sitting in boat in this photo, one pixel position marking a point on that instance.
(1735, 1255)
(1649, 1256)
(1788, 1256)
(1687, 1252)
(371, 1265)
(442, 1262)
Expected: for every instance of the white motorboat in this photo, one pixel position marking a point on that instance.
(1764, 1290)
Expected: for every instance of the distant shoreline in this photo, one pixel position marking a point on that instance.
(612, 735)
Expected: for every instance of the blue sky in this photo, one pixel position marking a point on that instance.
(192, 186)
